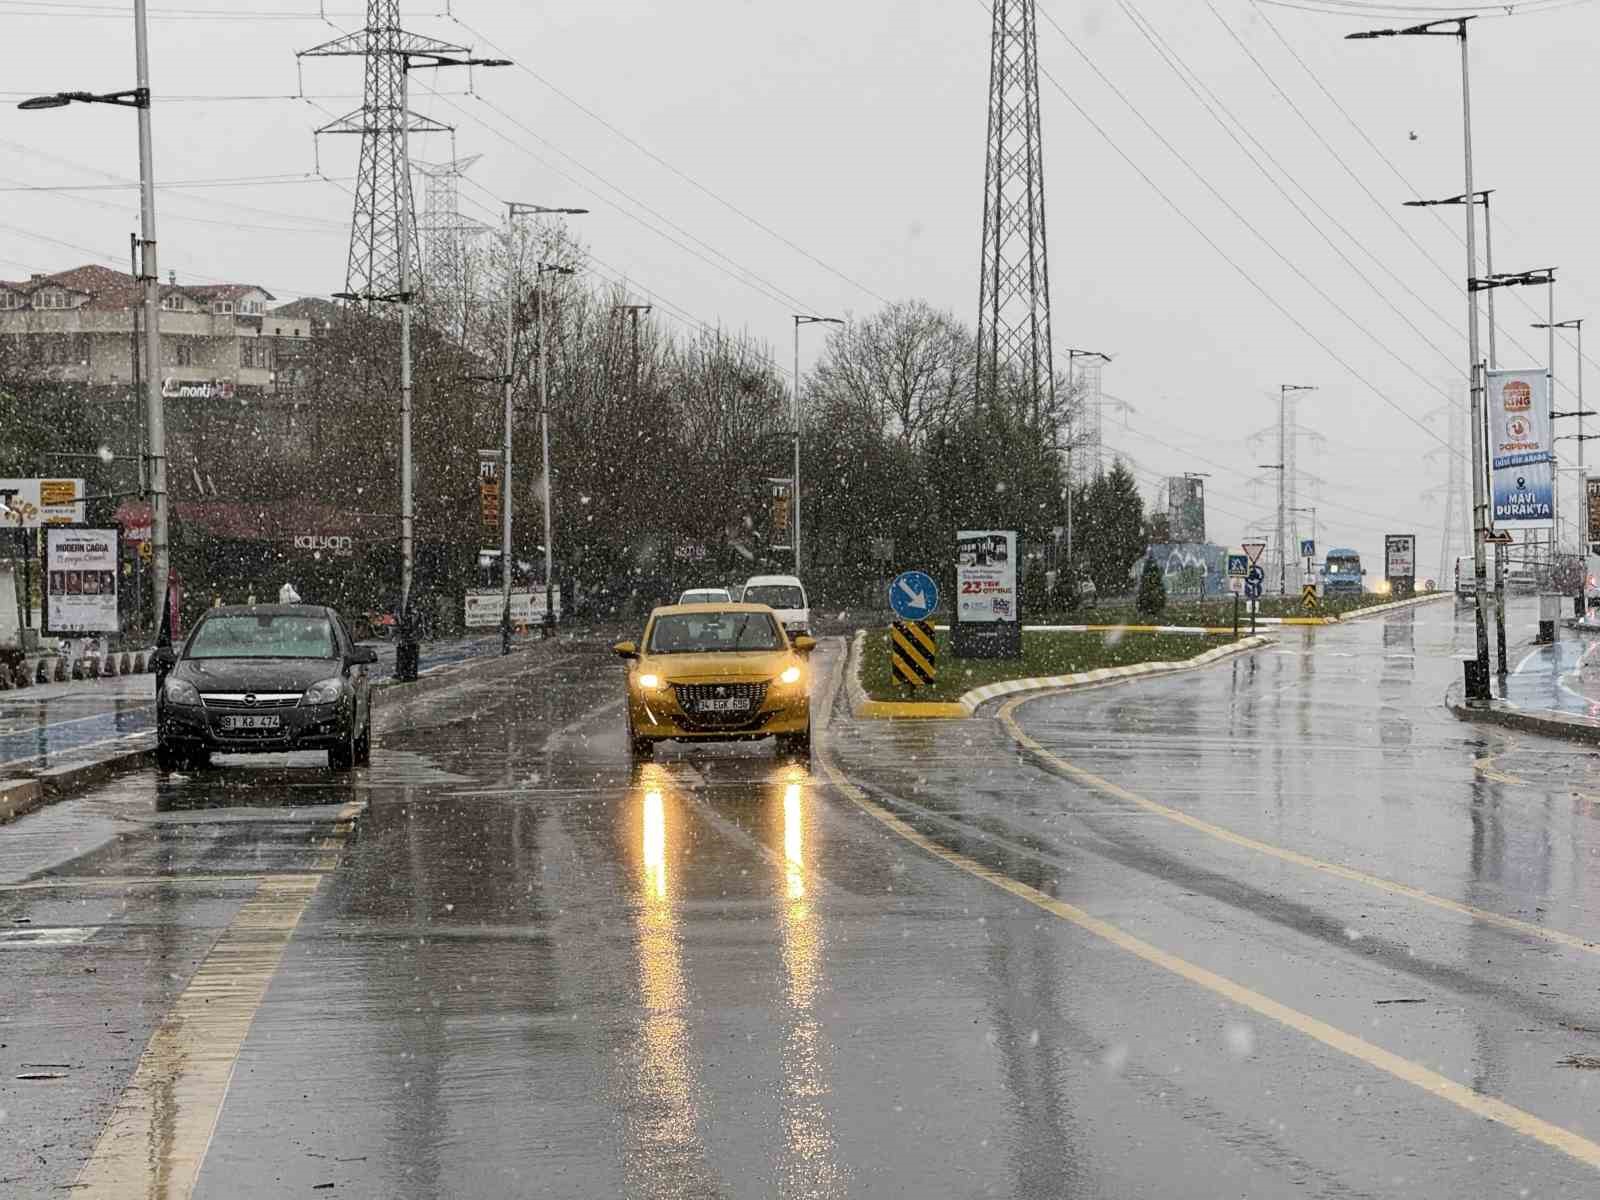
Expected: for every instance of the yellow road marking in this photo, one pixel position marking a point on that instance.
(1178, 816)
(1518, 1120)
(157, 1136)
(101, 882)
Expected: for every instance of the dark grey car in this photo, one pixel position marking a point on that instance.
(267, 678)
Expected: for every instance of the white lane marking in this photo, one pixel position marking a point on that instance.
(38, 939)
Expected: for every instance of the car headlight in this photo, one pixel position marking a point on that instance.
(649, 683)
(790, 675)
(181, 691)
(325, 692)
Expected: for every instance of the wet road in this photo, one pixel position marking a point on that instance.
(1279, 927)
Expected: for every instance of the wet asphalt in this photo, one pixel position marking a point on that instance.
(531, 968)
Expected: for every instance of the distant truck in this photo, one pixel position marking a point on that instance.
(1342, 573)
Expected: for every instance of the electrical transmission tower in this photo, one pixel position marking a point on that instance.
(1455, 539)
(1285, 435)
(445, 237)
(1014, 284)
(385, 255)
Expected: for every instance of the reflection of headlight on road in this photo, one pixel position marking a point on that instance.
(791, 675)
(649, 683)
(1381, 587)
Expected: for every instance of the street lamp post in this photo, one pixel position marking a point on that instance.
(799, 320)
(1280, 468)
(150, 276)
(1477, 678)
(1283, 457)
(515, 209)
(1072, 357)
(548, 627)
(1575, 324)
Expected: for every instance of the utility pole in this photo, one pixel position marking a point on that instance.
(633, 311)
(794, 506)
(547, 627)
(1072, 356)
(1283, 465)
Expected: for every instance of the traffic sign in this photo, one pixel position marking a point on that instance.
(1253, 551)
(1498, 537)
(1236, 584)
(913, 595)
(1308, 598)
(1252, 589)
(1238, 565)
(1308, 548)
(913, 653)
(1256, 576)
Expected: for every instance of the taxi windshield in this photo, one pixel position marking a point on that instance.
(712, 633)
(263, 637)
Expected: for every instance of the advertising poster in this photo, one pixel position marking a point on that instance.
(489, 488)
(1591, 496)
(986, 575)
(1521, 452)
(34, 503)
(483, 608)
(80, 580)
(780, 514)
(1400, 556)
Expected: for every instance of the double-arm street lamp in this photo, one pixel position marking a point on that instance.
(515, 209)
(1576, 325)
(1477, 674)
(150, 276)
(799, 320)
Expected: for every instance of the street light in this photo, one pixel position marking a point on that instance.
(515, 209)
(799, 320)
(1576, 324)
(548, 627)
(1072, 356)
(415, 58)
(138, 99)
(1477, 678)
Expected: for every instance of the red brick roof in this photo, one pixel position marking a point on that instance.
(111, 289)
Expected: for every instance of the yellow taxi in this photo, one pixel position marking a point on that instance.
(718, 673)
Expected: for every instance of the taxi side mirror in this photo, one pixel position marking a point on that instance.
(625, 650)
(804, 644)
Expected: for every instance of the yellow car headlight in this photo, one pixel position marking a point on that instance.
(649, 683)
(791, 675)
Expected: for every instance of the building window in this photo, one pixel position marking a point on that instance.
(223, 307)
(10, 300)
(255, 352)
(172, 303)
(50, 299)
(250, 308)
(183, 353)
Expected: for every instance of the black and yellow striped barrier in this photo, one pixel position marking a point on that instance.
(913, 653)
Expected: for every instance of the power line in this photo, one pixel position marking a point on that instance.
(1223, 254)
(656, 158)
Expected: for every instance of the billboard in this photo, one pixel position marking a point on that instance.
(1400, 563)
(1191, 568)
(81, 579)
(33, 503)
(484, 605)
(1591, 497)
(1521, 452)
(780, 515)
(1186, 509)
(986, 575)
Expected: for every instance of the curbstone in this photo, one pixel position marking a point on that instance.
(1497, 712)
(5, 678)
(108, 669)
(18, 796)
(125, 665)
(59, 675)
(77, 671)
(21, 678)
(42, 673)
(138, 664)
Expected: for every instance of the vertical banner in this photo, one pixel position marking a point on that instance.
(1591, 523)
(80, 570)
(1521, 450)
(780, 529)
(489, 488)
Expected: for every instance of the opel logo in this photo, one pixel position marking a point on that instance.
(722, 691)
(250, 701)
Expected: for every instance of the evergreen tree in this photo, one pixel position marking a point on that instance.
(1152, 598)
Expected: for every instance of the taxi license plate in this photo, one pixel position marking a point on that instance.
(253, 721)
(730, 704)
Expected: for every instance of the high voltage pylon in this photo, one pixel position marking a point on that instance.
(1014, 284)
(383, 229)
(445, 237)
(1455, 535)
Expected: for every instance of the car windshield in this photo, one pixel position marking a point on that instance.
(263, 636)
(775, 595)
(720, 632)
(709, 596)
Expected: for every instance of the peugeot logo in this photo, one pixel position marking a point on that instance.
(250, 701)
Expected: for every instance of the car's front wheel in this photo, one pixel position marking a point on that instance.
(168, 757)
(795, 745)
(641, 749)
(364, 744)
(343, 756)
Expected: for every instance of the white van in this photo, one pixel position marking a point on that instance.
(785, 595)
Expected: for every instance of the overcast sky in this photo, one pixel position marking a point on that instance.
(852, 130)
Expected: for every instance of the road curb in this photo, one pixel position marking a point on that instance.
(1426, 598)
(1497, 712)
(18, 796)
(861, 705)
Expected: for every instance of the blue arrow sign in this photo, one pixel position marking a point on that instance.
(1256, 576)
(1252, 589)
(913, 595)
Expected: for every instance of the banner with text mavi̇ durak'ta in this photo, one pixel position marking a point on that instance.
(1521, 452)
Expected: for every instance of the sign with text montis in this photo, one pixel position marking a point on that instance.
(489, 488)
(1521, 450)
